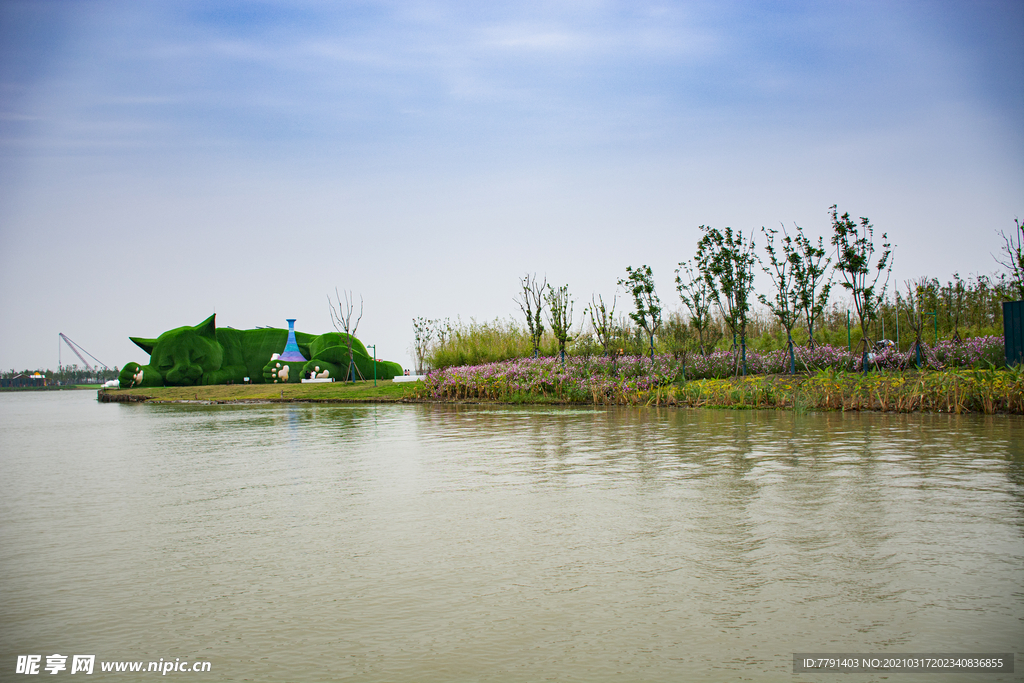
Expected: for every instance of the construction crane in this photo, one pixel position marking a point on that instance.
(78, 352)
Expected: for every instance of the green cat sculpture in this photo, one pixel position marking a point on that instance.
(205, 354)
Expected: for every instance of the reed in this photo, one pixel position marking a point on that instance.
(476, 343)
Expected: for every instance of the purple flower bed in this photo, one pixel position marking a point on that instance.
(973, 352)
(578, 379)
(583, 378)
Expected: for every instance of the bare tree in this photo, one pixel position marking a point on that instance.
(912, 304)
(423, 333)
(603, 319)
(696, 294)
(531, 301)
(1013, 257)
(953, 297)
(342, 321)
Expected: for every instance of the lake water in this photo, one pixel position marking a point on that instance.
(453, 543)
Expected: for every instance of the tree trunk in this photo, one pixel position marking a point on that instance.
(792, 358)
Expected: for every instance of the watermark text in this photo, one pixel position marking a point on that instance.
(86, 664)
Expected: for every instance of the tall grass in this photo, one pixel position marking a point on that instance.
(476, 343)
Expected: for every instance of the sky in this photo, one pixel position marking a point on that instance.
(163, 161)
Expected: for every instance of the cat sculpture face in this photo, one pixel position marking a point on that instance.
(183, 355)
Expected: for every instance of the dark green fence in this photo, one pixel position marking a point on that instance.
(1013, 331)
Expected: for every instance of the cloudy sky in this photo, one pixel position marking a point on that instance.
(160, 161)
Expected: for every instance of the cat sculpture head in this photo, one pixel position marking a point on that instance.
(183, 355)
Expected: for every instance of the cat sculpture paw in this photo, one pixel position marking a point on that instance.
(319, 368)
(133, 373)
(279, 372)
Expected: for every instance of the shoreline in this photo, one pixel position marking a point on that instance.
(984, 392)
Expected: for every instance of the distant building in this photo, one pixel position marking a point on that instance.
(36, 379)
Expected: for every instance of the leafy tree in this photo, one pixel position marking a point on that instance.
(811, 286)
(783, 303)
(855, 249)
(727, 262)
(560, 315)
(640, 283)
(603, 319)
(531, 301)
(1013, 257)
(696, 294)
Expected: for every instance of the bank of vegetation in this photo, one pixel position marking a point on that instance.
(836, 294)
(639, 381)
(832, 332)
(635, 381)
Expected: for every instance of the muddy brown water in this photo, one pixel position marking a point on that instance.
(443, 543)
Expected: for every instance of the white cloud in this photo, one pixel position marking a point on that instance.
(529, 38)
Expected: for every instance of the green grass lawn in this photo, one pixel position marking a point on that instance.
(386, 390)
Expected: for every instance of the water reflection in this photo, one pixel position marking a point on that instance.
(315, 542)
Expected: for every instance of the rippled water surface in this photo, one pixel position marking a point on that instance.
(445, 543)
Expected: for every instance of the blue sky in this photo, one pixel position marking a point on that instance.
(159, 161)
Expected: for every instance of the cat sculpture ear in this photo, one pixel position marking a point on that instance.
(144, 344)
(207, 328)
